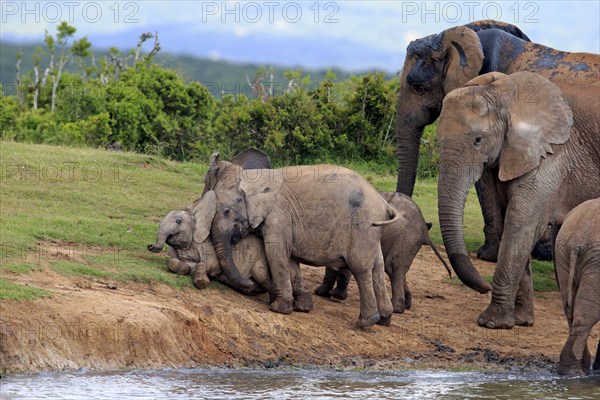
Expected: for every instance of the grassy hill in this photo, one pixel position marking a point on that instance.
(219, 76)
(104, 208)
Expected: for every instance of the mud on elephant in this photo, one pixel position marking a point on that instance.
(439, 63)
(317, 215)
(577, 265)
(519, 129)
(400, 243)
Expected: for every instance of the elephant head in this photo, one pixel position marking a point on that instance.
(434, 66)
(231, 221)
(180, 229)
(501, 122)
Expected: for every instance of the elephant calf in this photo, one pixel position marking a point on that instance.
(577, 263)
(187, 232)
(400, 243)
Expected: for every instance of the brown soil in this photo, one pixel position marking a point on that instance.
(107, 325)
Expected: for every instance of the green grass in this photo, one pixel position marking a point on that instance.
(103, 208)
(543, 276)
(14, 291)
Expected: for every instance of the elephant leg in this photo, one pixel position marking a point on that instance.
(340, 291)
(596, 365)
(492, 217)
(384, 303)
(407, 296)
(278, 256)
(324, 289)
(302, 298)
(524, 302)
(200, 276)
(398, 294)
(179, 267)
(262, 276)
(368, 303)
(575, 357)
(515, 248)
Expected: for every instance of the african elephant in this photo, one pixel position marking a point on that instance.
(520, 129)
(187, 232)
(439, 63)
(400, 243)
(317, 215)
(577, 266)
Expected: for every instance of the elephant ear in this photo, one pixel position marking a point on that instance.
(210, 179)
(538, 116)
(260, 190)
(204, 212)
(464, 57)
(252, 158)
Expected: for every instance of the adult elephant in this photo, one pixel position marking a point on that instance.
(439, 63)
(519, 128)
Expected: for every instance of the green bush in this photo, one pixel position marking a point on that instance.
(151, 109)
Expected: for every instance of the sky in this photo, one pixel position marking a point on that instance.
(354, 35)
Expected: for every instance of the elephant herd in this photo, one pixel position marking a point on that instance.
(519, 120)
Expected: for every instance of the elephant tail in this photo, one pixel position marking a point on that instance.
(572, 263)
(393, 213)
(439, 255)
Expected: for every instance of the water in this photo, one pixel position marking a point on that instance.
(225, 384)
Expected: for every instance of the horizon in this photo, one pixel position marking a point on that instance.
(349, 35)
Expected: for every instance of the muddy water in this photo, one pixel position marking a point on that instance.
(295, 384)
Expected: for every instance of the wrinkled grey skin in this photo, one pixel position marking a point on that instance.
(187, 232)
(438, 63)
(317, 215)
(400, 243)
(519, 129)
(577, 265)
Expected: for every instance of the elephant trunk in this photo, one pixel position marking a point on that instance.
(408, 142)
(412, 116)
(452, 195)
(160, 243)
(224, 252)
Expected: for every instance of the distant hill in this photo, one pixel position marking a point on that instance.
(219, 76)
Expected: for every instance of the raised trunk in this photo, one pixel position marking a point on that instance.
(452, 195)
(224, 252)
(160, 243)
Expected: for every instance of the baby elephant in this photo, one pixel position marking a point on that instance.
(187, 233)
(400, 243)
(577, 264)
(191, 251)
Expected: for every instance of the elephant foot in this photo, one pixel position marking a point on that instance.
(323, 291)
(303, 302)
(399, 307)
(385, 321)
(497, 317)
(372, 320)
(570, 369)
(201, 282)
(524, 315)
(339, 294)
(282, 306)
(488, 252)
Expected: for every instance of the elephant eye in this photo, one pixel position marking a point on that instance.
(178, 221)
(477, 142)
(226, 211)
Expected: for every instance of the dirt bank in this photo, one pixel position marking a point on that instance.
(106, 325)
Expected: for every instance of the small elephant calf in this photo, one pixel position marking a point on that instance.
(187, 232)
(577, 264)
(400, 243)
(191, 252)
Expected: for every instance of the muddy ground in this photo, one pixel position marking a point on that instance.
(98, 324)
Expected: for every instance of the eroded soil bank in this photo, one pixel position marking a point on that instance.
(98, 324)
